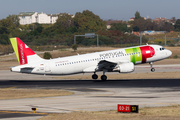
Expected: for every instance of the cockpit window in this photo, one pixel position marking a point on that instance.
(162, 48)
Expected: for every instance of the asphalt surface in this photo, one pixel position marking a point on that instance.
(82, 85)
(90, 95)
(16, 115)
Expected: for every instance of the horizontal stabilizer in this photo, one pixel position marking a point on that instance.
(27, 69)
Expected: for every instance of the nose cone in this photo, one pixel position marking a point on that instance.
(169, 53)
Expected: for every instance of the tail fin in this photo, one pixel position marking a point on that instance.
(23, 53)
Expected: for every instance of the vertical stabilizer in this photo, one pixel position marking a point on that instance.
(23, 53)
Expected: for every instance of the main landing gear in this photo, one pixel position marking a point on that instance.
(152, 69)
(103, 77)
(95, 76)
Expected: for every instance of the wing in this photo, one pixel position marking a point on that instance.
(109, 64)
(104, 64)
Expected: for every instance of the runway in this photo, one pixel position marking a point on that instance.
(92, 95)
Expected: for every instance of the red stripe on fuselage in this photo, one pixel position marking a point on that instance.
(147, 52)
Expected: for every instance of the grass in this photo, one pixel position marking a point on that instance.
(159, 113)
(175, 57)
(168, 35)
(70, 52)
(159, 38)
(174, 50)
(12, 93)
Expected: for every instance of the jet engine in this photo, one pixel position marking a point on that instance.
(124, 68)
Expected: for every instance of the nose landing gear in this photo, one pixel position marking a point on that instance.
(152, 69)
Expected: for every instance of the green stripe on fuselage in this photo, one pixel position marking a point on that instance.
(134, 56)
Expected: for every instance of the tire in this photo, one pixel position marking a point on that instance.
(94, 76)
(103, 77)
(152, 69)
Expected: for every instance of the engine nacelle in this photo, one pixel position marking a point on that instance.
(125, 67)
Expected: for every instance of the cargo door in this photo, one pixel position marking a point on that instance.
(47, 67)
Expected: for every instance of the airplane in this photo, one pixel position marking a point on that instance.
(119, 60)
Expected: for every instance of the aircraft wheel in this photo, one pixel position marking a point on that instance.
(94, 76)
(152, 69)
(103, 77)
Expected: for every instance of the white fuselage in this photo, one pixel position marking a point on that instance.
(89, 62)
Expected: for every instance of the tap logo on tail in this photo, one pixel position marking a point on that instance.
(22, 50)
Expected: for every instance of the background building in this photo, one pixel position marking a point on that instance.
(34, 17)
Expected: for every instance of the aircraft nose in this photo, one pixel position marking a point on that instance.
(169, 53)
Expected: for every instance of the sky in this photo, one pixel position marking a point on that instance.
(106, 9)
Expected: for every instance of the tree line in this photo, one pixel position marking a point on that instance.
(140, 24)
(62, 32)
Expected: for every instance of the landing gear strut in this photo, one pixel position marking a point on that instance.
(104, 77)
(152, 69)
